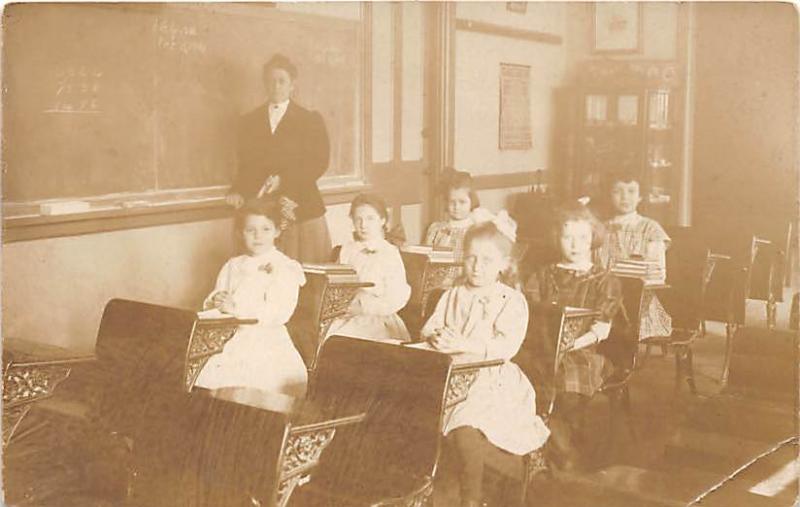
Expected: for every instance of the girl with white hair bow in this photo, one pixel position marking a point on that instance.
(486, 316)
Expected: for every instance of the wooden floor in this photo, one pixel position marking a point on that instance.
(690, 447)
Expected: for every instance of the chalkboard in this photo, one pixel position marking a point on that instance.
(144, 98)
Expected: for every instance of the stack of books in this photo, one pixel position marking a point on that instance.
(336, 273)
(437, 255)
(648, 271)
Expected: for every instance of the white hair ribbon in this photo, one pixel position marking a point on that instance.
(506, 225)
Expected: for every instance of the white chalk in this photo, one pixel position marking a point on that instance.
(136, 204)
(63, 207)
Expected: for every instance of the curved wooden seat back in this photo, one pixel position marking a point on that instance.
(402, 392)
(141, 351)
(304, 325)
(551, 336)
(415, 265)
(207, 452)
(686, 259)
(537, 356)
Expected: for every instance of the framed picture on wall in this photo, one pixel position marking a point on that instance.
(617, 27)
(518, 7)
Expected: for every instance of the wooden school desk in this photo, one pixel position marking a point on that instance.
(321, 300)
(31, 373)
(426, 271)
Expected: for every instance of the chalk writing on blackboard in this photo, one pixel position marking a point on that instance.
(180, 38)
(333, 57)
(77, 90)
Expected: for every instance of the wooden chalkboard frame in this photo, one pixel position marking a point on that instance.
(22, 221)
(106, 219)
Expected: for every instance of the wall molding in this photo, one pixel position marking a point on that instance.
(508, 32)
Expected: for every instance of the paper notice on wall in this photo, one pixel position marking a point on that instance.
(515, 107)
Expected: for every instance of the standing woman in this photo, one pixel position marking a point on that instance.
(283, 150)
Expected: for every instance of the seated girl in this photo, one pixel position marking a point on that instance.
(632, 236)
(262, 284)
(373, 312)
(462, 203)
(485, 316)
(577, 282)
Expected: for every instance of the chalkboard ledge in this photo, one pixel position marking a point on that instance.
(26, 227)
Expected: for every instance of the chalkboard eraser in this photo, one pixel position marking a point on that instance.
(63, 208)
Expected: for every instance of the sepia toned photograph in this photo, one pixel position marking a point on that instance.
(400, 254)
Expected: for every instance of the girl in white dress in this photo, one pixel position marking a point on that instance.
(486, 317)
(373, 313)
(262, 284)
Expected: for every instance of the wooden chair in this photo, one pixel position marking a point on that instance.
(691, 268)
(391, 457)
(718, 295)
(31, 373)
(762, 276)
(139, 433)
(320, 301)
(141, 352)
(551, 339)
(425, 276)
(622, 348)
(761, 269)
(778, 259)
(533, 211)
(203, 451)
(551, 336)
(144, 354)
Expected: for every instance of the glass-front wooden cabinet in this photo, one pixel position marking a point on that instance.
(625, 119)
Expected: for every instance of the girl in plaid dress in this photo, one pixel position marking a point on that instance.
(462, 213)
(632, 236)
(577, 282)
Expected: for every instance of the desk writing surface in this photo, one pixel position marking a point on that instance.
(459, 358)
(21, 351)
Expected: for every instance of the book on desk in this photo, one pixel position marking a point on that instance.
(335, 273)
(648, 271)
(434, 254)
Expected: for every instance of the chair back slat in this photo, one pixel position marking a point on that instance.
(686, 265)
(203, 451)
(551, 336)
(402, 392)
(764, 260)
(141, 351)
